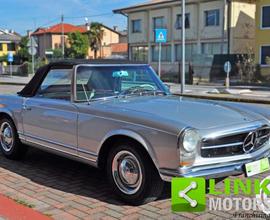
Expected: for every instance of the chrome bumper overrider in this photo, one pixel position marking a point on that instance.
(213, 170)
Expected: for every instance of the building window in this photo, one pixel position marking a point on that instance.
(165, 53)
(136, 26)
(139, 54)
(191, 50)
(266, 17)
(159, 23)
(1, 47)
(212, 17)
(265, 55)
(11, 47)
(214, 48)
(178, 24)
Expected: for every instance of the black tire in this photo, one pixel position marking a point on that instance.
(16, 150)
(151, 185)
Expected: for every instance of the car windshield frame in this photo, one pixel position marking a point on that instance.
(161, 86)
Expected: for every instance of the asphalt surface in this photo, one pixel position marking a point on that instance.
(9, 89)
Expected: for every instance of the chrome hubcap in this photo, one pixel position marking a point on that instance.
(6, 136)
(127, 173)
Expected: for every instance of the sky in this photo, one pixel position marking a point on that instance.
(23, 15)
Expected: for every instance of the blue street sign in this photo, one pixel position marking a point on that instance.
(10, 57)
(161, 35)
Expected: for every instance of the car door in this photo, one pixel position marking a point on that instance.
(49, 118)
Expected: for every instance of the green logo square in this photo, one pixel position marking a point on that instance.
(188, 195)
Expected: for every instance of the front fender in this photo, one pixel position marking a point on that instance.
(133, 135)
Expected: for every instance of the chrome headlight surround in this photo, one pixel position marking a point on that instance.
(189, 142)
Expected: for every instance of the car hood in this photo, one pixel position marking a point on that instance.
(200, 114)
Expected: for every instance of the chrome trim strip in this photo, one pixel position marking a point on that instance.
(265, 136)
(259, 125)
(87, 152)
(212, 171)
(223, 145)
(51, 142)
(62, 151)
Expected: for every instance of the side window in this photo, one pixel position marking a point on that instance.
(56, 85)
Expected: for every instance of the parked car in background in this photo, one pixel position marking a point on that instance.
(120, 117)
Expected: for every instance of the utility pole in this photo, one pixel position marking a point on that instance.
(183, 47)
(32, 54)
(63, 36)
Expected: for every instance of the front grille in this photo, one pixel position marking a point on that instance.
(233, 145)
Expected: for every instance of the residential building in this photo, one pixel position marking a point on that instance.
(263, 36)
(212, 27)
(113, 42)
(9, 41)
(50, 38)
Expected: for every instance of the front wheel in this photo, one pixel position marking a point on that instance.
(10, 144)
(132, 174)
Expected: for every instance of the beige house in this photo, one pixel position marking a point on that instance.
(111, 39)
(212, 27)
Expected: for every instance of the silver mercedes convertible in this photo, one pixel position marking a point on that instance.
(120, 117)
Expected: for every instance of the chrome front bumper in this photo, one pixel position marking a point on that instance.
(211, 171)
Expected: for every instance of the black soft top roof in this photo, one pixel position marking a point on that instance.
(30, 89)
(101, 61)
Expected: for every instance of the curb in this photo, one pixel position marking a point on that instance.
(224, 98)
(11, 210)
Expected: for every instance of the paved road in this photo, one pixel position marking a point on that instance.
(9, 89)
(65, 189)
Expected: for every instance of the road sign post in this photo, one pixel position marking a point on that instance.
(161, 37)
(183, 38)
(159, 60)
(227, 69)
(32, 50)
(10, 60)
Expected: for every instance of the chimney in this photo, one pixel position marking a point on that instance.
(115, 28)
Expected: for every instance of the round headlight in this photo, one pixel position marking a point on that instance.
(191, 140)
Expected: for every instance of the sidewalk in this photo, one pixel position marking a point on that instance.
(235, 93)
(14, 80)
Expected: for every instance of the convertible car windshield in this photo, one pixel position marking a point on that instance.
(108, 81)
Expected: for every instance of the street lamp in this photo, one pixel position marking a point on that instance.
(183, 47)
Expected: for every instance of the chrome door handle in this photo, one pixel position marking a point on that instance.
(27, 108)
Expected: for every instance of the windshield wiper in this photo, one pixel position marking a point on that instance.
(88, 99)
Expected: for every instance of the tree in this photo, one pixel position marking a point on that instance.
(247, 66)
(77, 45)
(96, 34)
(57, 53)
(23, 54)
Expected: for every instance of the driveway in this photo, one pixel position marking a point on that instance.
(64, 189)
